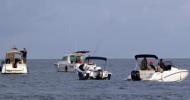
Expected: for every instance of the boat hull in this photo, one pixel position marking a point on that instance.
(66, 67)
(10, 69)
(170, 76)
(173, 75)
(90, 75)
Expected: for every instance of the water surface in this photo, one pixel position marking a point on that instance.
(44, 83)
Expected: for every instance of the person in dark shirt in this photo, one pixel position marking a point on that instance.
(152, 65)
(161, 65)
(24, 54)
(144, 64)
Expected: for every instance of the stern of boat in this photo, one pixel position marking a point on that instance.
(19, 69)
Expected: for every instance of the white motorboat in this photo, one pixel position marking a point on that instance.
(14, 63)
(90, 70)
(170, 73)
(70, 62)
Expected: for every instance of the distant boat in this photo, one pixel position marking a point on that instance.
(70, 62)
(170, 73)
(14, 63)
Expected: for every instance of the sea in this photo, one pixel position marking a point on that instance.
(44, 83)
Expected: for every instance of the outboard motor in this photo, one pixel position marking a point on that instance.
(1, 65)
(81, 67)
(86, 76)
(135, 75)
(99, 74)
(80, 70)
(83, 76)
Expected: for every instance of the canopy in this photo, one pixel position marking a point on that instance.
(98, 58)
(13, 54)
(82, 51)
(145, 55)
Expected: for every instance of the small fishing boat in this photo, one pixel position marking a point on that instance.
(70, 62)
(14, 63)
(169, 73)
(92, 71)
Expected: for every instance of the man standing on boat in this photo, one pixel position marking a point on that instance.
(24, 54)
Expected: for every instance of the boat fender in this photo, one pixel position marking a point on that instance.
(66, 68)
(109, 76)
(135, 75)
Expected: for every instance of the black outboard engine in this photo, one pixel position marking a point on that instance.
(81, 67)
(81, 75)
(135, 75)
(99, 74)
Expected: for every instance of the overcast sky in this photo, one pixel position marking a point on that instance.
(111, 28)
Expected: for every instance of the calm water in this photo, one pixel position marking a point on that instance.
(44, 83)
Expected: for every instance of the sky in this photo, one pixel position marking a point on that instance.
(49, 29)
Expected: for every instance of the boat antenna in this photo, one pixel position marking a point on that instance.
(97, 47)
(105, 65)
(76, 46)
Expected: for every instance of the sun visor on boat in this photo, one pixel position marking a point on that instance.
(145, 55)
(96, 58)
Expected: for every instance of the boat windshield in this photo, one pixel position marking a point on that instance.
(146, 63)
(18, 56)
(96, 60)
(65, 58)
(76, 59)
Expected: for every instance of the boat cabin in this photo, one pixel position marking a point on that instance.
(14, 58)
